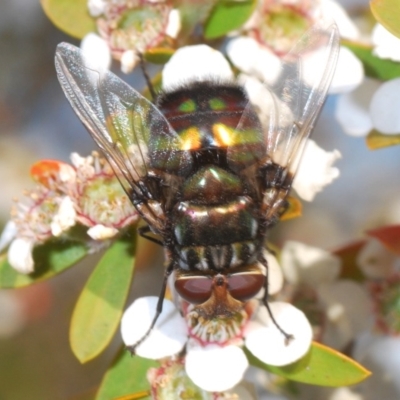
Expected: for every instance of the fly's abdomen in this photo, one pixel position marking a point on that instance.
(214, 225)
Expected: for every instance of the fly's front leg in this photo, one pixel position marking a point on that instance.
(288, 337)
(159, 307)
(144, 230)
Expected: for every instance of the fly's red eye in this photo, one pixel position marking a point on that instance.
(245, 286)
(194, 289)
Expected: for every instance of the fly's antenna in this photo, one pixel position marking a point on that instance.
(146, 76)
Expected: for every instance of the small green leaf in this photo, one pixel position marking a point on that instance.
(99, 308)
(227, 16)
(375, 67)
(50, 259)
(321, 366)
(376, 140)
(71, 16)
(387, 14)
(126, 375)
(159, 55)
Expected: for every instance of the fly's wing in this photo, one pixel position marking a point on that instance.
(128, 128)
(288, 108)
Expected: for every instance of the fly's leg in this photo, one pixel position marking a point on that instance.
(288, 337)
(159, 307)
(146, 77)
(144, 230)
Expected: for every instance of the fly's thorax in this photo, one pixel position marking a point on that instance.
(213, 122)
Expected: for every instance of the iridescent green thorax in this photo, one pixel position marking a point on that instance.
(208, 117)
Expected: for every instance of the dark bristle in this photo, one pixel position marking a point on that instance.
(202, 88)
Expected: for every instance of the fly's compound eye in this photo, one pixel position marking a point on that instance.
(245, 285)
(194, 289)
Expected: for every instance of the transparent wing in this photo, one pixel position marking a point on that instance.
(130, 130)
(288, 108)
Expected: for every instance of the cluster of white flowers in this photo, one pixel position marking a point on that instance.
(87, 192)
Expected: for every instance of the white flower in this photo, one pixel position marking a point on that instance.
(384, 107)
(254, 59)
(174, 23)
(20, 255)
(353, 109)
(96, 7)
(168, 336)
(349, 72)
(376, 261)
(386, 45)
(101, 232)
(206, 366)
(198, 62)
(265, 340)
(129, 60)
(380, 354)
(96, 55)
(213, 366)
(347, 28)
(65, 217)
(345, 304)
(315, 170)
(302, 263)
(8, 234)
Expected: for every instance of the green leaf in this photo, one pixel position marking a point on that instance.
(387, 14)
(321, 366)
(375, 67)
(227, 16)
(50, 259)
(127, 375)
(376, 140)
(71, 16)
(99, 308)
(159, 55)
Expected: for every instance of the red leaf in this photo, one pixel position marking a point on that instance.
(389, 236)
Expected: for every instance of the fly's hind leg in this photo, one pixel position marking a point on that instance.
(159, 307)
(288, 337)
(143, 232)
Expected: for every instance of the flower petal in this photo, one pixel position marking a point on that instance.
(347, 28)
(275, 274)
(215, 368)
(269, 345)
(96, 55)
(349, 72)
(254, 59)
(387, 46)
(376, 261)
(306, 264)
(168, 336)
(129, 60)
(101, 232)
(199, 62)
(315, 170)
(65, 217)
(348, 311)
(96, 7)
(8, 234)
(352, 109)
(384, 107)
(174, 23)
(20, 255)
